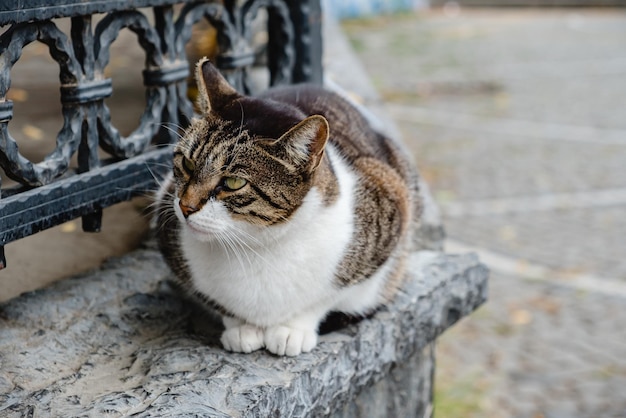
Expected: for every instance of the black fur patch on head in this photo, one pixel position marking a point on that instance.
(262, 118)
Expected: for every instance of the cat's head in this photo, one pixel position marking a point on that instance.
(244, 161)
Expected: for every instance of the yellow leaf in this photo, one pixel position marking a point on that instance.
(521, 317)
(32, 132)
(69, 227)
(17, 95)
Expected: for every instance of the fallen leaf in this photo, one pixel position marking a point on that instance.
(69, 227)
(32, 132)
(17, 95)
(521, 317)
(546, 304)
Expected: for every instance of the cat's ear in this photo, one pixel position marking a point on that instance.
(305, 142)
(214, 92)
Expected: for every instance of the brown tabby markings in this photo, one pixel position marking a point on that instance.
(238, 136)
(275, 189)
(387, 203)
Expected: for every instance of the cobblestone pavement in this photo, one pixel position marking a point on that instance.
(516, 119)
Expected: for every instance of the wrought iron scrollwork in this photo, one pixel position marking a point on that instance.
(280, 32)
(106, 32)
(15, 165)
(44, 200)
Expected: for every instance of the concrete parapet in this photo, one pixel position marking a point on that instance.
(122, 341)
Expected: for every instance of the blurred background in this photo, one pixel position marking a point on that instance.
(515, 113)
(515, 116)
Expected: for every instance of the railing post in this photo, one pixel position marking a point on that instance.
(306, 16)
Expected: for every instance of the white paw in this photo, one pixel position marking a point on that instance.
(284, 341)
(242, 339)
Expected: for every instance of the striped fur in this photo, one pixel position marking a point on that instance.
(283, 208)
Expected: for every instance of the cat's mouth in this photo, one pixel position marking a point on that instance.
(204, 225)
(195, 228)
(200, 232)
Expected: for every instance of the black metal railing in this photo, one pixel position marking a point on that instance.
(50, 192)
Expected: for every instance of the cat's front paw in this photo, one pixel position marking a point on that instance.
(285, 341)
(242, 339)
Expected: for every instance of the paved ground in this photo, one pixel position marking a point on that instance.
(516, 118)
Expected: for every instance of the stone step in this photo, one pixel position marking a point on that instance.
(122, 341)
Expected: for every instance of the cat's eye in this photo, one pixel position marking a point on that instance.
(234, 183)
(189, 165)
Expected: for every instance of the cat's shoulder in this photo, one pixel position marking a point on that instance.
(311, 99)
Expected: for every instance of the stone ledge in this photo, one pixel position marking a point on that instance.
(124, 342)
(121, 341)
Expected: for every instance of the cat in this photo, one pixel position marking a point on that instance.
(282, 208)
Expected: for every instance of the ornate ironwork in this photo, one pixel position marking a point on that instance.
(50, 193)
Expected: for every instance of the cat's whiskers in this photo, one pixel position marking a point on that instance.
(223, 243)
(242, 118)
(213, 172)
(174, 128)
(168, 216)
(162, 193)
(159, 181)
(234, 159)
(231, 242)
(246, 235)
(285, 222)
(147, 193)
(152, 147)
(246, 247)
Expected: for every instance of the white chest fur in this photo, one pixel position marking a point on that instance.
(265, 275)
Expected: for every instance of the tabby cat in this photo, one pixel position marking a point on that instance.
(282, 208)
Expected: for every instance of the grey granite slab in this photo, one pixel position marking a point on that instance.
(123, 341)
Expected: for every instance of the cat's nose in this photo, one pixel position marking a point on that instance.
(187, 210)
